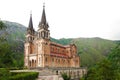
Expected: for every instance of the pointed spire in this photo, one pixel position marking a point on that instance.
(30, 22)
(30, 29)
(43, 18)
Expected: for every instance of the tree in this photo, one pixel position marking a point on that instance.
(91, 74)
(108, 69)
(3, 28)
(65, 76)
(4, 74)
(6, 59)
(114, 58)
(9, 57)
(101, 71)
(2, 25)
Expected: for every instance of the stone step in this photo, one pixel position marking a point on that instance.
(48, 77)
(45, 73)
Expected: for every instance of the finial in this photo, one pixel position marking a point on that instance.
(31, 13)
(44, 5)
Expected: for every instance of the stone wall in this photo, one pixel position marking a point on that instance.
(51, 73)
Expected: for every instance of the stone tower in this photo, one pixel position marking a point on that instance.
(37, 44)
(30, 35)
(43, 40)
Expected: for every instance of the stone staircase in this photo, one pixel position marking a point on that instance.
(47, 75)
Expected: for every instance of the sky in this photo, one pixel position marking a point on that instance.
(68, 18)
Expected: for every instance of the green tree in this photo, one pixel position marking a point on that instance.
(6, 59)
(108, 69)
(2, 25)
(114, 58)
(101, 71)
(65, 76)
(9, 57)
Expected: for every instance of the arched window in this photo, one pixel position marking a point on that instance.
(58, 50)
(39, 60)
(46, 34)
(42, 34)
(56, 72)
(39, 35)
(34, 63)
(30, 63)
(58, 60)
(46, 59)
(52, 49)
(52, 59)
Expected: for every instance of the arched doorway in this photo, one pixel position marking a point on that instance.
(32, 63)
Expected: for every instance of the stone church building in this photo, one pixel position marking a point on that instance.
(40, 51)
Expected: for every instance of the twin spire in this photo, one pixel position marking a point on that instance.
(43, 19)
(42, 32)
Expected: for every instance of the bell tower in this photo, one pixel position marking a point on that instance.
(43, 32)
(30, 35)
(43, 40)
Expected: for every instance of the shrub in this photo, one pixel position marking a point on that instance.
(4, 74)
(24, 76)
(65, 76)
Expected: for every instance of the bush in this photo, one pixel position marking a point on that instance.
(65, 76)
(4, 74)
(24, 76)
(17, 68)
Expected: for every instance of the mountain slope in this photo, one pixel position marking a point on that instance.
(90, 50)
(15, 31)
(15, 35)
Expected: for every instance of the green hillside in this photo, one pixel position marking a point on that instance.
(90, 50)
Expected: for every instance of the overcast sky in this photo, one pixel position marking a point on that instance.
(68, 18)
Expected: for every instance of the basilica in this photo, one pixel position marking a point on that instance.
(40, 51)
